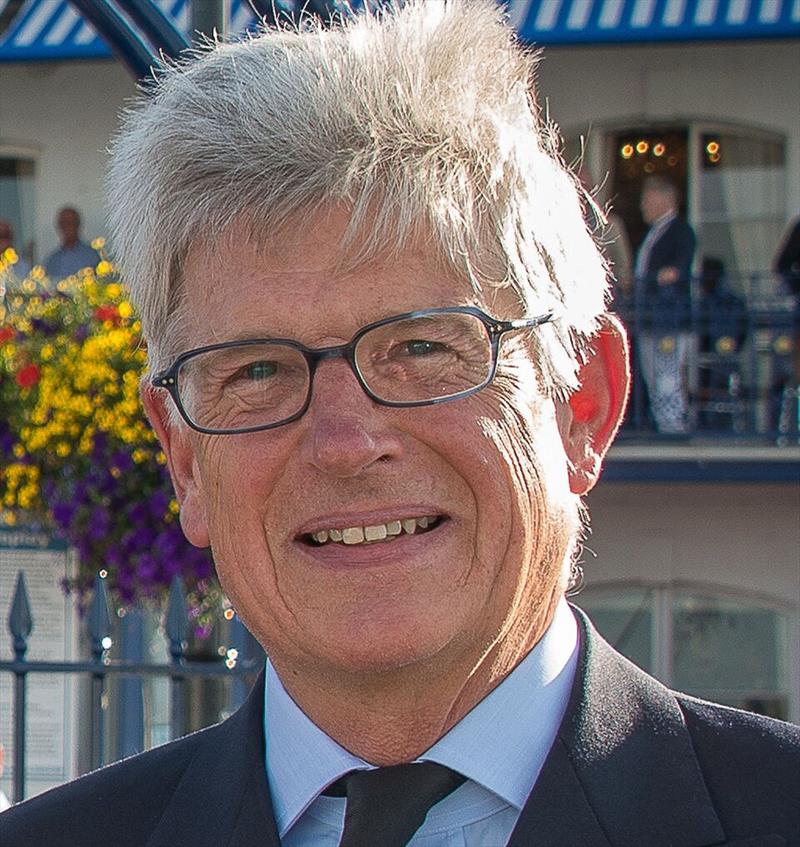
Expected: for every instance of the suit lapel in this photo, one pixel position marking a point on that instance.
(622, 772)
(223, 798)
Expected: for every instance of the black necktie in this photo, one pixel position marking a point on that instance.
(386, 806)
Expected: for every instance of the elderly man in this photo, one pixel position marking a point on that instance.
(383, 377)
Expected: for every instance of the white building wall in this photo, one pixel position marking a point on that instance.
(740, 537)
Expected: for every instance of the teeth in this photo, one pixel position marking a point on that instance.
(394, 528)
(353, 535)
(377, 532)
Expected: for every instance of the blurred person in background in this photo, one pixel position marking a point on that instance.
(662, 292)
(73, 254)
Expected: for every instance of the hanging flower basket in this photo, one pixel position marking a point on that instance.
(77, 455)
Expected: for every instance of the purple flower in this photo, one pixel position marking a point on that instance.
(122, 460)
(146, 568)
(63, 514)
(99, 522)
(138, 513)
(43, 327)
(159, 501)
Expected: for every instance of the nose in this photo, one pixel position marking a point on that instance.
(348, 432)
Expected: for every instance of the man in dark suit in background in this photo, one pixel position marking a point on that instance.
(383, 375)
(663, 272)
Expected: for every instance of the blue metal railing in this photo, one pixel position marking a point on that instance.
(100, 668)
(741, 367)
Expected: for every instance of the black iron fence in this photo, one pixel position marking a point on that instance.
(732, 345)
(100, 668)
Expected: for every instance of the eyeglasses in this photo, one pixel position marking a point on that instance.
(414, 359)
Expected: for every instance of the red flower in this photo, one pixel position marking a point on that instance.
(107, 313)
(6, 334)
(27, 376)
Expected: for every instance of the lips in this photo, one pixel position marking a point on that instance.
(372, 533)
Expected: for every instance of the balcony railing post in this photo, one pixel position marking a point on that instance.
(177, 630)
(100, 633)
(20, 624)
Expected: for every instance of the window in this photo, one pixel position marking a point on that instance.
(740, 203)
(727, 648)
(17, 200)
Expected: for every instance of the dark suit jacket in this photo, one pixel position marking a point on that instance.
(634, 765)
(667, 307)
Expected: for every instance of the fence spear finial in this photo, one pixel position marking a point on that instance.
(177, 626)
(20, 620)
(99, 619)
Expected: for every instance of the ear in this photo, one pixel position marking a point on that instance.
(589, 420)
(178, 445)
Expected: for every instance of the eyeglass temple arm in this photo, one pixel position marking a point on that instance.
(524, 323)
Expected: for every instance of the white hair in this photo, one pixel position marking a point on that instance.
(420, 118)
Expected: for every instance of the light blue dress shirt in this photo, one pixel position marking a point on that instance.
(500, 746)
(65, 261)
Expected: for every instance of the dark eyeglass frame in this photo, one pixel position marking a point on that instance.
(495, 329)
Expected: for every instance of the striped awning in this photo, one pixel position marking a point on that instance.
(631, 21)
(52, 29)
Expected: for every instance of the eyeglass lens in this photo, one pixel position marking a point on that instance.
(413, 360)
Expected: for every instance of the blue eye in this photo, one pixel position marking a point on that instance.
(419, 347)
(261, 370)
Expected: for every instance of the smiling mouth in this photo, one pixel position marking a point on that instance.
(373, 534)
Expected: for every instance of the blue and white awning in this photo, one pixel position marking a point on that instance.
(619, 21)
(52, 29)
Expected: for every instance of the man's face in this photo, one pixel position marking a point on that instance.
(68, 224)
(654, 204)
(490, 468)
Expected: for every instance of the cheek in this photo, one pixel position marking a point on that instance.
(544, 512)
(237, 478)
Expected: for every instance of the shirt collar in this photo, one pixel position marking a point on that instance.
(501, 744)
(666, 218)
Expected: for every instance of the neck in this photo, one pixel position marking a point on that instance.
(394, 716)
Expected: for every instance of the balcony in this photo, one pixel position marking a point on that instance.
(739, 370)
